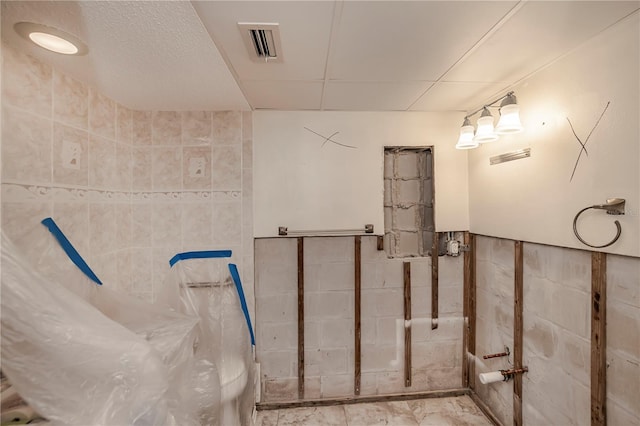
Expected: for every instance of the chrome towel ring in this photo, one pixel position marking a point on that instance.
(614, 206)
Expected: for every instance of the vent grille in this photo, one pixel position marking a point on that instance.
(262, 41)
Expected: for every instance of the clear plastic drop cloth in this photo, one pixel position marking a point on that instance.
(170, 333)
(183, 385)
(70, 362)
(204, 287)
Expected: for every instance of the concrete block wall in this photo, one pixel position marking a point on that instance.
(276, 324)
(494, 319)
(408, 208)
(623, 340)
(329, 320)
(556, 335)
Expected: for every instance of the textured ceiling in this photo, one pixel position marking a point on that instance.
(338, 55)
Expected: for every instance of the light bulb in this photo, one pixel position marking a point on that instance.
(485, 131)
(53, 43)
(509, 119)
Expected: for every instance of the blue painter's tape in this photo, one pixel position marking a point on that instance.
(70, 250)
(236, 279)
(199, 255)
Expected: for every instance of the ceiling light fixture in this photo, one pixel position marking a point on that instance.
(50, 38)
(509, 123)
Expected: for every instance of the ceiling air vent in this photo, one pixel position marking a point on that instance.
(262, 41)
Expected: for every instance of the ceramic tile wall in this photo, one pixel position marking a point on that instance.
(179, 202)
(129, 188)
(62, 157)
(329, 320)
(557, 286)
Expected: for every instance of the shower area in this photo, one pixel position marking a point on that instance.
(129, 190)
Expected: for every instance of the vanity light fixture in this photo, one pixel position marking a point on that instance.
(50, 38)
(509, 122)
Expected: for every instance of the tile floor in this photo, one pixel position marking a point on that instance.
(458, 411)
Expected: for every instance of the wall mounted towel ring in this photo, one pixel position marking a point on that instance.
(613, 206)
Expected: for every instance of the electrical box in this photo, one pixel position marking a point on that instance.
(453, 248)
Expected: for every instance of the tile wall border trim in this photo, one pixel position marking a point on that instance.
(16, 193)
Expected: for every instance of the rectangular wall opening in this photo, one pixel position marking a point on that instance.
(408, 201)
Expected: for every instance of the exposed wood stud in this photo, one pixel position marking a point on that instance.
(357, 326)
(517, 332)
(360, 399)
(380, 242)
(598, 339)
(471, 342)
(301, 318)
(434, 281)
(467, 312)
(406, 269)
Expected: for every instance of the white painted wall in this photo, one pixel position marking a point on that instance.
(303, 185)
(532, 199)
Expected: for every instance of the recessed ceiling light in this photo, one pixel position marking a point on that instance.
(51, 38)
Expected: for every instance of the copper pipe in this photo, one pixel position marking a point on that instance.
(501, 354)
(508, 374)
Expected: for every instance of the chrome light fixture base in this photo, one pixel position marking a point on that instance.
(508, 123)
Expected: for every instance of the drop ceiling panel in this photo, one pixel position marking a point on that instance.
(538, 33)
(461, 96)
(305, 27)
(412, 40)
(182, 55)
(372, 96)
(284, 95)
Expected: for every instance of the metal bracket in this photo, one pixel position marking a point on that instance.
(465, 247)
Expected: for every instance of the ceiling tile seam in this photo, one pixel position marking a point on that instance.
(335, 29)
(225, 57)
(268, 80)
(286, 80)
(350, 81)
(559, 58)
(506, 17)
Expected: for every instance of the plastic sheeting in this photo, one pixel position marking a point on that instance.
(69, 361)
(204, 287)
(85, 354)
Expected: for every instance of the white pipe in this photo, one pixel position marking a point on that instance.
(402, 324)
